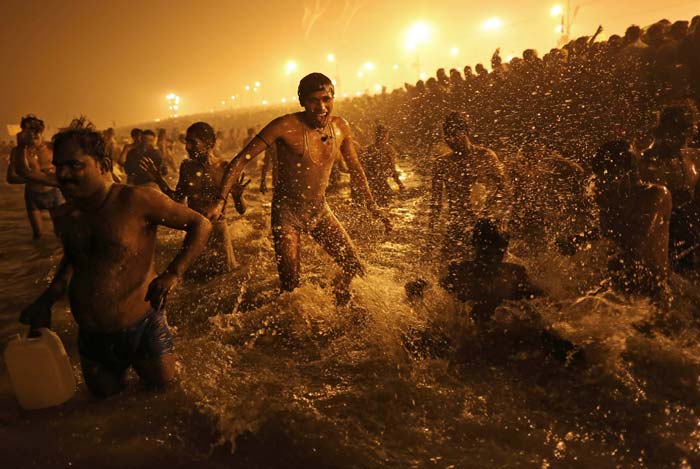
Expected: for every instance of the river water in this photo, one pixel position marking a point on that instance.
(291, 380)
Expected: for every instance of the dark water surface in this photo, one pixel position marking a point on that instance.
(294, 381)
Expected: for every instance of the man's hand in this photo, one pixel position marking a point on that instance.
(37, 314)
(213, 213)
(239, 187)
(147, 165)
(381, 217)
(159, 288)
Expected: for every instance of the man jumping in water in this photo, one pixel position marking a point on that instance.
(307, 143)
(108, 233)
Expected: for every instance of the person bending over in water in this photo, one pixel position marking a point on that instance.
(635, 216)
(108, 233)
(458, 173)
(31, 163)
(487, 281)
(307, 143)
(199, 183)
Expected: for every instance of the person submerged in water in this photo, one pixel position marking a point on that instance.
(108, 232)
(30, 163)
(199, 183)
(307, 144)
(635, 216)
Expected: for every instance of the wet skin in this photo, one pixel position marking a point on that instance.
(108, 232)
(302, 177)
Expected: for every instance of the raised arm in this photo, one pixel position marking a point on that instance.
(161, 210)
(265, 138)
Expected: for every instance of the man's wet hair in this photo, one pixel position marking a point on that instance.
(633, 33)
(487, 234)
(455, 122)
(82, 133)
(613, 159)
(148, 132)
(203, 132)
(136, 133)
(314, 82)
(32, 123)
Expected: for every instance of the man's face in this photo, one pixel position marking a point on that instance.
(79, 175)
(149, 141)
(31, 137)
(457, 140)
(196, 148)
(318, 107)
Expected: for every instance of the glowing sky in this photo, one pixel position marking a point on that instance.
(116, 61)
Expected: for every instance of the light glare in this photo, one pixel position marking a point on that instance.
(492, 24)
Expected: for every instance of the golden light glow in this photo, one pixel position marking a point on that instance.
(559, 29)
(330, 57)
(247, 87)
(419, 33)
(556, 10)
(454, 52)
(369, 66)
(360, 74)
(257, 84)
(289, 68)
(492, 24)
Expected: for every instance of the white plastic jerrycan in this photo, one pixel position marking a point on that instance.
(39, 370)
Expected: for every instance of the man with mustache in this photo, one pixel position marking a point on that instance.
(108, 233)
(308, 143)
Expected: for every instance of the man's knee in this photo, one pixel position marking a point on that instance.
(102, 383)
(157, 373)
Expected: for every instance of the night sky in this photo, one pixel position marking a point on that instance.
(116, 61)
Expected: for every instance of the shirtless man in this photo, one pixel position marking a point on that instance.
(31, 162)
(379, 163)
(108, 233)
(135, 142)
(460, 173)
(146, 149)
(199, 183)
(671, 163)
(635, 216)
(307, 143)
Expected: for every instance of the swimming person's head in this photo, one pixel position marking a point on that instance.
(316, 94)
(200, 140)
(81, 159)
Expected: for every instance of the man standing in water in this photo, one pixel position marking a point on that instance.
(307, 143)
(199, 183)
(31, 161)
(379, 162)
(108, 233)
(460, 174)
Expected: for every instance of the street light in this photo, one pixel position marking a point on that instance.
(454, 52)
(288, 69)
(492, 24)
(556, 10)
(369, 66)
(330, 58)
(173, 104)
(418, 34)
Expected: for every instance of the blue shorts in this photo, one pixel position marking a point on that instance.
(146, 340)
(43, 200)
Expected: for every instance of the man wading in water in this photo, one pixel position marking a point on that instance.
(307, 143)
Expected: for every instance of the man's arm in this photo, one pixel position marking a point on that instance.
(150, 167)
(11, 176)
(22, 169)
(394, 171)
(38, 314)
(260, 142)
(438, 184)
(158, 209)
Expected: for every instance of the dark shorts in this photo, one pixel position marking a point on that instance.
(43, 200)
(148, 339)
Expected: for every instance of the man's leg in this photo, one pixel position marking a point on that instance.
(34, 215)
(156, 372)
(331, 235)
(287, 253)
(102, 381)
